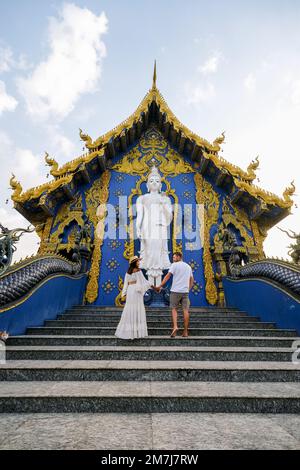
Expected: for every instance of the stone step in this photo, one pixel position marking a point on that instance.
(157, 310)
(213, 331)
(152, 317)
(89, 308)
(162, 324)
(191, 341)
(149, 371)
(147, 354)
(154, 397)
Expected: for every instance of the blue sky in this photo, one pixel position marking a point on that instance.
(222, 65)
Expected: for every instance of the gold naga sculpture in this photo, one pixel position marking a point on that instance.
(294, 248)
(218, 141)
(52, 163)
(16, 187)
(251, 169)
(85, 138)
(289, 191)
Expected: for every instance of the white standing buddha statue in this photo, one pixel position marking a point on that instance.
(154, 216)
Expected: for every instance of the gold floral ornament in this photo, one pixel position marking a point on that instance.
(149, 152)
(119, 300)
(96, 201)
(210, 287)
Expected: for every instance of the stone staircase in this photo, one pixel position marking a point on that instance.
(231, 363)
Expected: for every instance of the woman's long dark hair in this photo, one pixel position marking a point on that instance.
(132, 266)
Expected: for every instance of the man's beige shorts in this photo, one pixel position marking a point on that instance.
(177, 298)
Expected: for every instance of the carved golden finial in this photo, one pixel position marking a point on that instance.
(288, 192)
(17, 188)
(254, 164)
(251, 169)
(154, 76)
(85, 137)
(52, 163)
(218, 141)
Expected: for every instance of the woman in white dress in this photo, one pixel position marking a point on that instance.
(133, 320)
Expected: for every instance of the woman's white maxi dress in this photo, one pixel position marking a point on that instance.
(133, 320)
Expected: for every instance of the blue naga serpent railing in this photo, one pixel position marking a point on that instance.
(17, 280)
(22, 277)
(283, 273)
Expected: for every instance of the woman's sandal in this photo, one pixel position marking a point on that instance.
(173, 334)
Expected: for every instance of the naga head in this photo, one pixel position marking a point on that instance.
(16, 187)
(289, 191)
(219, 140)
(253, 165)
(85, 137)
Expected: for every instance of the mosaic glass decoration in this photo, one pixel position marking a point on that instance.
(187, 194)
(108, 287)
(114, 244)
(194, 265)
(120, 178)
(185, 179)
(196, 289)
(112, 264)
(119, 192)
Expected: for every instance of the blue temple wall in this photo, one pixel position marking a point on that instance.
(48, 300)
(272, 304)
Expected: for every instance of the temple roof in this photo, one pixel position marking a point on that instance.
(153, 110)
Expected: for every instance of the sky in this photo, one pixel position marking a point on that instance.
(223, 65)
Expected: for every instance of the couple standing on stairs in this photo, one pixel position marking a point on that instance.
(133, 320)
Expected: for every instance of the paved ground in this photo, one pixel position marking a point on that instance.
(171, 431)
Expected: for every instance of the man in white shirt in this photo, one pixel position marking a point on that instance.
(182, 283)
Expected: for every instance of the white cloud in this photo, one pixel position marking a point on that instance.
(295, 92)
(60, 144)
(27, 166)
(22, 63)
(6, 59)
(211, 65)
(73, 66)
(65, 145)
(28, 169)
(250, 82)
(199, 93)
(7, 102)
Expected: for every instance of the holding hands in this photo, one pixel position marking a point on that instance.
(156, 288)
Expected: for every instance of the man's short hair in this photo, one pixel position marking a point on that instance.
(177, 253)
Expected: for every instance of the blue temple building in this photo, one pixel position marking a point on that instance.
(218, 209)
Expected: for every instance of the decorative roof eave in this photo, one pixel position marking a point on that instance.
(269, 198)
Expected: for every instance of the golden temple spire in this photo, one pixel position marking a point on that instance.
(154, 76)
